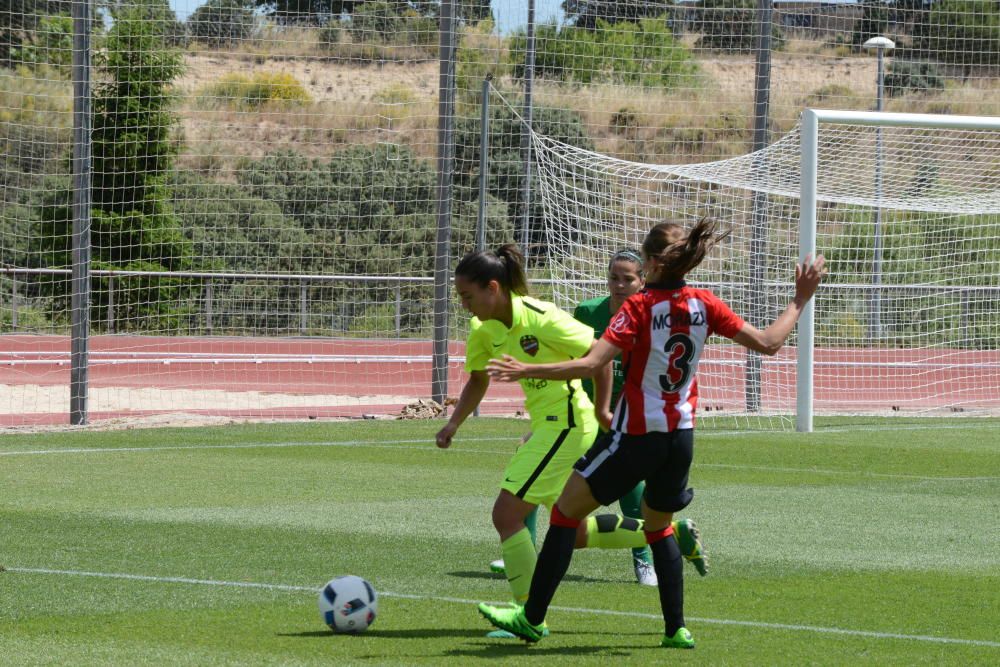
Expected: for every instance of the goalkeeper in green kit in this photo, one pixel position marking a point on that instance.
(624, 279)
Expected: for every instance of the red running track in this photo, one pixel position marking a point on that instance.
(383, 375)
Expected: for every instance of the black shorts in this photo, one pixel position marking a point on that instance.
(617, 462)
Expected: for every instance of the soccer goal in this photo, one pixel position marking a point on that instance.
(906, 208)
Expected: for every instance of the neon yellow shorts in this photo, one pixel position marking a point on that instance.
(540, 467)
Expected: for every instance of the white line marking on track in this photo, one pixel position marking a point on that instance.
(406, 444)
(439, 598)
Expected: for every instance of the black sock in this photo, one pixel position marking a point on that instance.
(553, 561)
(670, 573)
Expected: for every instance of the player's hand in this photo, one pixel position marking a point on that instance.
(808, 276)
(604, 418)
(507, 369)
(444, 436)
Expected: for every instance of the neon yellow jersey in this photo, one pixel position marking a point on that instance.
(540, 333)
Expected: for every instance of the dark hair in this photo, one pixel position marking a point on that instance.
(678, 250)
(504, 265)
(626, 255)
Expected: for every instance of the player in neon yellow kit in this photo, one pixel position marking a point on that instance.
(492, 286)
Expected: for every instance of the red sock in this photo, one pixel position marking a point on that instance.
(557, 518)
(657, 535)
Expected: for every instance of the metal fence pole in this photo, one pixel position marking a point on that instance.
(303, 307)
(80, 282)
(758, 241)
(446, 169)
(529, 79)
(13, 302)
(399, 310)
(484, 163)
(209, 293)
(111, 304)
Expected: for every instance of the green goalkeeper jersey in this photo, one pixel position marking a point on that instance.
(596, 313)
(540, 333)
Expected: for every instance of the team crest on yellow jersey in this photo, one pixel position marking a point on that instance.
(529, 344)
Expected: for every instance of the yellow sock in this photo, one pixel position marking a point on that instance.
(611, 531)
(519, 560)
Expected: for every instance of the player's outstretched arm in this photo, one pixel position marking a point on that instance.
(510, 369)
(808, 276)
(472, 395)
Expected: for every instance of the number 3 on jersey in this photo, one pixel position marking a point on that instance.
(679, 349)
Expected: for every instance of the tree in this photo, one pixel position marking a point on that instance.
(309, 12)
(586, 13)
(961, 32)
(318, 12)
(874, 22)
(132, 226)
(222, 22)
(19, 21)
(731, 26)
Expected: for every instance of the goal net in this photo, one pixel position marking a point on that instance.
(908, 321)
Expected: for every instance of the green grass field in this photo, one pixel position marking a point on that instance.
(877, 542)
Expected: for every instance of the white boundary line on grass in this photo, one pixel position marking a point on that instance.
(438, 598)
(402, 444)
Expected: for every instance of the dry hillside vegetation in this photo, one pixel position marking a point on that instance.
(397, 102)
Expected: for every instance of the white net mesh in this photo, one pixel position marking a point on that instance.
(910, 315)
(265, 171)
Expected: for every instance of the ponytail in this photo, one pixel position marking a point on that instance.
(677, 251)
(504, 265)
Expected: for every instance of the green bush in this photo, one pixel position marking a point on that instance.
(374, 22)
(329, 35)
(921, 249)
(231, 230)
(368, 210)
(907, 76)
(643, 53)
(506, 177)
(222, 23)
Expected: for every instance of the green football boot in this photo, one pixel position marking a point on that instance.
(689, 541)
(681, 639)
(513, 621)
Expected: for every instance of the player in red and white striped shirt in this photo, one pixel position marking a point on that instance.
(661, 333)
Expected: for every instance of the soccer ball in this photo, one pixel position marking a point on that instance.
(348, 604)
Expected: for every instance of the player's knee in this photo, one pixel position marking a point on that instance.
(671, 503)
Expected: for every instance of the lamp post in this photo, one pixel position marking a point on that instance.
(881, 45)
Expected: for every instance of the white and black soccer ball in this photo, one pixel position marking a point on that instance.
(348, 604)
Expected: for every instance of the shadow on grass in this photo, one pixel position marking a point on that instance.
(468, 574)
(519, 650)
(415, 633)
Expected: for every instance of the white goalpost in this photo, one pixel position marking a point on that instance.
(809, 183)
(906, 207)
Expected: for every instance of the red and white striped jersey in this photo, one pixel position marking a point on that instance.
(662, 332)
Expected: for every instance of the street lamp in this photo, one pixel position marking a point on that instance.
(881, 45)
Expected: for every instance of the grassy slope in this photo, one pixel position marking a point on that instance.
(879, 530)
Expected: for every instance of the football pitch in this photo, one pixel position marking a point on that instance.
(870, 541)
